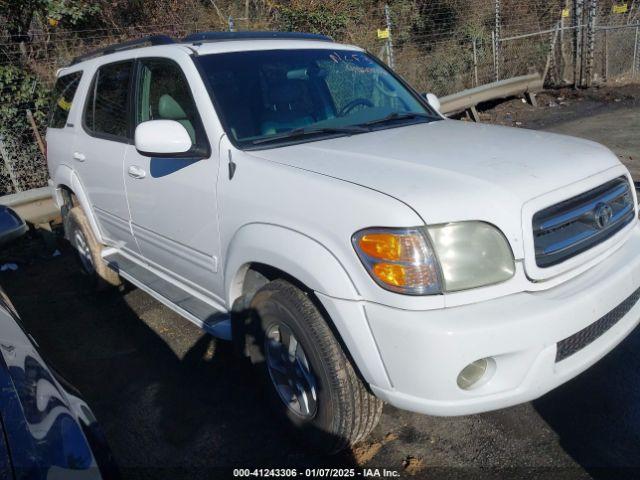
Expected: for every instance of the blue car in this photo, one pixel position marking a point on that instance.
(46, 430)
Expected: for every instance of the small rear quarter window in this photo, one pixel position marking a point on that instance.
(62, 98)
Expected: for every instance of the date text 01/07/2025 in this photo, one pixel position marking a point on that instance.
(316, 473)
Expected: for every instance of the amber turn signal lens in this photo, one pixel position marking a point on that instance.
(399, 259)
(391, 274)
(381, 245)
(392, 247)
(405, 276)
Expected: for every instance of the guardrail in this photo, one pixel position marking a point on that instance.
(35, 206)
(527, 85)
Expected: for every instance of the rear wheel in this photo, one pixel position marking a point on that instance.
(310, 380)
(79, 233)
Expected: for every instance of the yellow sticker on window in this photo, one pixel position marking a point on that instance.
(621, 8)
(565, 13)
(384, 33)
(64, 105)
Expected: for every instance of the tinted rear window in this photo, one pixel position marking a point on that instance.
(107, 109)
(62, 97)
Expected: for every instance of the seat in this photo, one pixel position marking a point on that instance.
(170, 109)
(289, 107)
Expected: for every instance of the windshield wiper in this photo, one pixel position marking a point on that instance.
(397, 116)
(302, 132)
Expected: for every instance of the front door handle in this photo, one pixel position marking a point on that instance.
(79, 156)
(136, 172)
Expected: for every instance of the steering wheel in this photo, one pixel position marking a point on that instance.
(353, 104)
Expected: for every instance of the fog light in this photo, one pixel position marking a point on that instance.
(472, 373)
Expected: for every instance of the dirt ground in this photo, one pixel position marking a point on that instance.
(175, 404)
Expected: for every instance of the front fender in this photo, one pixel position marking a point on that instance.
(290, 251)
(314, 265)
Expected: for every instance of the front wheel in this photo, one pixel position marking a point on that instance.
(310, 380)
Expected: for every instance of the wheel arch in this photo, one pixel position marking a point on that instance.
(318, 273)
(272, 248)
(66, 180)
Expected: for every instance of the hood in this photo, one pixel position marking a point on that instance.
(453, 170)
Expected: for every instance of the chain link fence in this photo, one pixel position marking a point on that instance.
(617, 43)
(441, 46)
(22, 165)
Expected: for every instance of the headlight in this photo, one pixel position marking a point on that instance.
(471, 254)
(426, 261)
(399, 259)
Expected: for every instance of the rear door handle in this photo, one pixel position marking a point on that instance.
(136, 172)
(79, 156)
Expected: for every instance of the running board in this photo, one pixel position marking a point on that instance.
(206, 316)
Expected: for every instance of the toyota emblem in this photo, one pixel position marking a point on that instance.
(602, 215)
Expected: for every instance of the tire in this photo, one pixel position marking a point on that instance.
(344, 411)
(79, 233)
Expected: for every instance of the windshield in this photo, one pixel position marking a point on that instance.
(275, 96)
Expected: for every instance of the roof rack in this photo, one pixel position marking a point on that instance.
(198, 38)
(252, 35)
(152, 39)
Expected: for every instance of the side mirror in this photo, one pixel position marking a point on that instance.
(11, 225)
(162, 138)
(433, 101)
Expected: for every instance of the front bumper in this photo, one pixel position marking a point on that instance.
(424, 351)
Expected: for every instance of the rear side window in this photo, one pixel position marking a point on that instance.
(62, 97)
(107, 110)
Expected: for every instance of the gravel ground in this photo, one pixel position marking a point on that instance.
(607, 115)
(177, 405)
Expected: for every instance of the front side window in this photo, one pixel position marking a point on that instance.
(62, 98)
(107, 109)
(164, 94)
(275, 95)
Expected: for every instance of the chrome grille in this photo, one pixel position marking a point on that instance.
(581, 222)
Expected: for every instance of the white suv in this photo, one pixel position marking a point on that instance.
(295, 195)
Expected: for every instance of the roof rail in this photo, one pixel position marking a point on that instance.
(152, 39)
(252, 35)
(197, 38)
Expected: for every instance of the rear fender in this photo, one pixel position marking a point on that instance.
(67, 177)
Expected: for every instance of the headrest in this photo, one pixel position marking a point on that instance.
(169, 109)
(306, 73)
(287, 92)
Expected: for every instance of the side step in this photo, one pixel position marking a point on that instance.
(210, 318)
